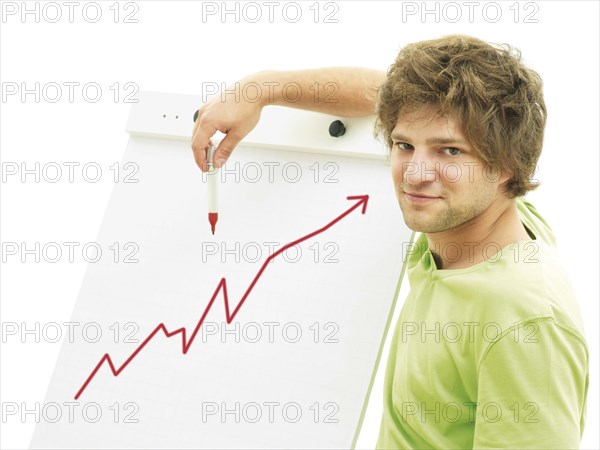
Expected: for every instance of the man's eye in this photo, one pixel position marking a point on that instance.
(403, 146)
(452, 151)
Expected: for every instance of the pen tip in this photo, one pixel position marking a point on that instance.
(212, 219)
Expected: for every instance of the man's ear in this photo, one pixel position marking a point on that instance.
(496, 175)
(505, 175)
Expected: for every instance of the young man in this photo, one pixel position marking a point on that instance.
(489, 348)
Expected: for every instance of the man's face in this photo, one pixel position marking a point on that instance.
(439, 179)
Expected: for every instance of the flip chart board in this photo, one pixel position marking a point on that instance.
(267, 334)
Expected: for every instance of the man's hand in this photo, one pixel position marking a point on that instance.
(234, 119)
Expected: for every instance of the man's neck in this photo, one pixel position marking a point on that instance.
(478, 239)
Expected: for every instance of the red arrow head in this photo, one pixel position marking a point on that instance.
(363, 200)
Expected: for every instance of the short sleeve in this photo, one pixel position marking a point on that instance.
(532, 388)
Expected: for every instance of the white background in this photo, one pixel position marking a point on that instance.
(173, 48)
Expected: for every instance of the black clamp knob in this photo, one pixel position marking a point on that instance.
(337, 128)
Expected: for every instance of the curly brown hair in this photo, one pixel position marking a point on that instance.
(497, 101)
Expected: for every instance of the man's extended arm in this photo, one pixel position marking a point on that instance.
(341, 91)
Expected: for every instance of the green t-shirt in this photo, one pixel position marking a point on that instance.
(488, 356)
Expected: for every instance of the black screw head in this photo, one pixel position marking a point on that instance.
(337, 128)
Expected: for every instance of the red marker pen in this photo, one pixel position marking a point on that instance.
(213, 211)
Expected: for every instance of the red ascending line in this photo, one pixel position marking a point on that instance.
(187, 343)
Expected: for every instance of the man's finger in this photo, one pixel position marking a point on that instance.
(226, 146)
(200, 142)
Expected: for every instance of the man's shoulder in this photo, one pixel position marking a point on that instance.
(529, 282)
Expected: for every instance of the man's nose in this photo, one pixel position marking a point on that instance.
(420, 169)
